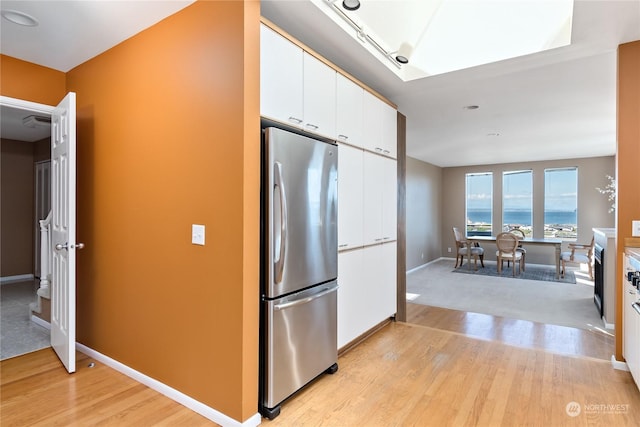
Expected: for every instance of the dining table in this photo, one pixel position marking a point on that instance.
(550, 242)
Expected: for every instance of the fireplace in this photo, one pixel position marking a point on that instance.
(598, 279)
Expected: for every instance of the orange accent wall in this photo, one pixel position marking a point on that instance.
(168, 136)
(628, 155)
(35, 83)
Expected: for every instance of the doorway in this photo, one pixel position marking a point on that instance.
(25, 151)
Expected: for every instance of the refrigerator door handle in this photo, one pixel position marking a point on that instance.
(301, 301)
(279, 184)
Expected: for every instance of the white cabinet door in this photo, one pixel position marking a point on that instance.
(372, 122)
(349, 111)
(389, 131)
(319, 97)
(379, 267)
(367, 290)
(350, 197)
(281, 75)
(388, 283)
(389, 200)
(379, 199)
(351, 297)
(631, 331)
(372, 198)
(380, 126)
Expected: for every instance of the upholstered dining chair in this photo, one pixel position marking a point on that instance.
(461, 249)
(522, 250)
(507, 244)
(578, 254)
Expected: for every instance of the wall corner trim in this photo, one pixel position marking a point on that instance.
(171, 393)
(616, 364)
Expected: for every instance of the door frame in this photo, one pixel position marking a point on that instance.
(34, 107)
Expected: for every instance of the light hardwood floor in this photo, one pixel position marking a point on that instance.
(404, 375)
(412, 375)
(36, 390)
(597, 343)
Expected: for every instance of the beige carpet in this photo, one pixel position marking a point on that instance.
(556, 303)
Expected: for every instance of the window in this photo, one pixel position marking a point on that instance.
(479, 204)
(561, 203)
(517, 201)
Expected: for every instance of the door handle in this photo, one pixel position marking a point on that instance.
(66, 246)
(278, 182)
(285, 305)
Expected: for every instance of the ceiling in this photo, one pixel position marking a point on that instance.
(556, 104)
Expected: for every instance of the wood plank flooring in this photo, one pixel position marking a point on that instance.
(36, 390)
(597, 343)
(404, 375)
(411, 375)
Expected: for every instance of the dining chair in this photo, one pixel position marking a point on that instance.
(462, 246)
(518, 232)
(507, 244)
(579, 254)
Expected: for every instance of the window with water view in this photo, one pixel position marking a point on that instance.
(517, 201)
(479, 204)
(561, 203)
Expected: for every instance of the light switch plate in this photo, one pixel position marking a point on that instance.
(635, 228)
(197, 234)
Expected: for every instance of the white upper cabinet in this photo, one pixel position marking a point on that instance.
(319, 97)
(296, 88)
(379, 128)
(350, 186)
(349, 111)
(389, 130)
(281, 78)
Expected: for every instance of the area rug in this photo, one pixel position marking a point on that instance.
(531, 272)
(555, 303)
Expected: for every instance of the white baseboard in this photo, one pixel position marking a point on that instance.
(171, 393)
(608, 325)
(17, 278)
(38, 321)
(425, 265)
(621, 366)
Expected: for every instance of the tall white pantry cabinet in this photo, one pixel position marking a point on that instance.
(299, 90)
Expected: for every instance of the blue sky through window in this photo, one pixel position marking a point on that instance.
(560, 190)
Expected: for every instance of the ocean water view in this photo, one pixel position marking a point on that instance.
(477, 216)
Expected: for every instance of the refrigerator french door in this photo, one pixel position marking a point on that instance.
(299, 264)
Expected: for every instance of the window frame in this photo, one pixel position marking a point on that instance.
(483, 231)
(527, 228)
(562, 233)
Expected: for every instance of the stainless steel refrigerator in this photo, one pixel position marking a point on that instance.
(299, 264)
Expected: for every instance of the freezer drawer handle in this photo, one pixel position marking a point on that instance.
(636, 307)
(278, 182)
(304, 300)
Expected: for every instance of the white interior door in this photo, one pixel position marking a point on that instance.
(63, 205)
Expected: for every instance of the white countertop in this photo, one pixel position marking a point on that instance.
(607, 232)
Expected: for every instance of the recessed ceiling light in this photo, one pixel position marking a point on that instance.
(19, 18)
(471, 107)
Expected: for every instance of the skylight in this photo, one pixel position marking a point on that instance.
(439, 36)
